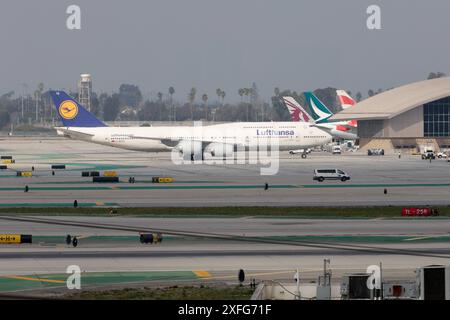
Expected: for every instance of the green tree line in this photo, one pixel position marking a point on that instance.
(128, 104)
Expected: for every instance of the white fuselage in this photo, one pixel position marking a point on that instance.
(289, 135)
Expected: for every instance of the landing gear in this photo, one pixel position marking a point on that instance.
(304, 155)
(75, 242)
(193, 158)
(71, 240)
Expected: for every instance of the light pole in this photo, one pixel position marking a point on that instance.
(36, 99)
(22, 106)
(24, 89)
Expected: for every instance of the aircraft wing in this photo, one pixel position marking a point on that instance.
(66, 132)
(174, 142)
(167, 142)
(338, 126)
(322, 127)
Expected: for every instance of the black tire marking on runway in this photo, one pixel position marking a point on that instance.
(321, 245)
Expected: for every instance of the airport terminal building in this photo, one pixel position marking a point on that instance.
(409, 117)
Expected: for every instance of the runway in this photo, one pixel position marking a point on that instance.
(243, 226)
(205, 249)
(351, 244)
(409, 180)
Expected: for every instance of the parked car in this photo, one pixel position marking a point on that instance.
(300, 151)
(336, 150)
(330, 174)
(428, 154)
(375, 152)
(442, 155)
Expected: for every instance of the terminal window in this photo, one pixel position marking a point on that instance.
(436, 116)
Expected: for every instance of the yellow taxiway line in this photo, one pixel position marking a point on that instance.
(202, 273)
(34, 279)
(249, 275)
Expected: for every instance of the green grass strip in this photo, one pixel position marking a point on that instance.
(296, 212)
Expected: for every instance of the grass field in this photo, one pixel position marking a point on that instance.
(306, 212)
(170, 293)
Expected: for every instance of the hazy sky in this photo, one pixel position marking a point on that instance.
(228, 44)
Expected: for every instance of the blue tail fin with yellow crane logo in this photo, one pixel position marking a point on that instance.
(73, 114)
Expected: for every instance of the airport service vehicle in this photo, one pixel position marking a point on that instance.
(336, 150)
(375, 152)
(442, 155)
(341, 130)
(303, 152)
(330, 174)
(428, 154)
(350, 144)
(192, 142)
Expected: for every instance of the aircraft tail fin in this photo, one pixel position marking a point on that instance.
(319, 111)
(298, 114)
(345, 99)
(73, 114)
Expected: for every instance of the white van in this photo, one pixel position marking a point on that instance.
(330, 174)
(336, 150)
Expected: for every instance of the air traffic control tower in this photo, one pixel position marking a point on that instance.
(85, 90)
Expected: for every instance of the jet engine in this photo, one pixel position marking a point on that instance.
(221, 150)
(190, 150)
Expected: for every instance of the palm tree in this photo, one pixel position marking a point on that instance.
(160, 97)
(191, 98)
(247, 93)
(276, 91)
(241, 92)
(171, 92)
(219, 93)
(41, 90)
(222, 95)
(205, 100)
(36, 100)
(251, 93)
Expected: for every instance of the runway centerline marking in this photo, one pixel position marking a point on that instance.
(419, 238)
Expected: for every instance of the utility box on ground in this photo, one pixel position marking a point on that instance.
(354, 286)
(433, 282)
(404, 290)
